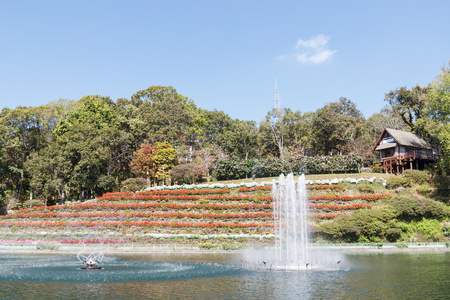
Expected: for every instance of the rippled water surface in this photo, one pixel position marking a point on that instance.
(200, 276)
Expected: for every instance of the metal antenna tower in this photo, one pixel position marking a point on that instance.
(278, 111)
(277, 97)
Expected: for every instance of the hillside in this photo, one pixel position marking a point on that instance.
(232, 215)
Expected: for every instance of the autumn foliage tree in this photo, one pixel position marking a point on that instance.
(143, 163)
(166, 158)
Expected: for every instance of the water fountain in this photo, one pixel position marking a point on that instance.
(291, 249)
(90, 261)
(290, 223)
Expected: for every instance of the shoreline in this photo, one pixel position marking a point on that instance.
(127, 251)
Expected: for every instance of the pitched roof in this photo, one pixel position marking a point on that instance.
(385, 146)
(404, 138)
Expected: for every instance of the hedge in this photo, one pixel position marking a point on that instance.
(271, 167)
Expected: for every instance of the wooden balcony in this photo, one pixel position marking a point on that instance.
(412, 160)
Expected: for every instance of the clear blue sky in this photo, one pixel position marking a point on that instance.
(223, 54)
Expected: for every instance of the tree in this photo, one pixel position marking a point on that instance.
(162, 115)
(166, 158)
(241, 140)
(208, 156)
(216, 125)
(386, 118)
(143, 163)
(298, 138)
(93, 110)
(335, 125)
(285, 133)
(274, 131)
(153, 94)
(24, 131)
(409, 104)
(189, 173)
(436, 116)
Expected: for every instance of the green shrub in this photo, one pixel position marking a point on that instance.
(47, 246)
(430, 229)
(424, 189)
(416, 177)
(413, 208)
(365, 188)
(206, 245)
(376, 169)
(402, 245)
(442, 182)
(105, 183)
(134, 184)
(226, 246)
(394, 182)
(364, 225)
(446, 230)
(32, 203)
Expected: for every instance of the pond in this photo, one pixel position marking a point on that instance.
(221, 276)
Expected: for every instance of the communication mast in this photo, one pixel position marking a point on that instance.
(278, 111)
(277, 97)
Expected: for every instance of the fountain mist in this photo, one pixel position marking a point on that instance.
(291, 250)
(290, 222)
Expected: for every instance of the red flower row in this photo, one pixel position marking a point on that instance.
(213, 206)
(125, 195)
(133, 223)
(144, 197)
(255, 188)
(53, 214)
(372, 197)
(340, 207)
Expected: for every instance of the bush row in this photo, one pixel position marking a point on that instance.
(238, 169)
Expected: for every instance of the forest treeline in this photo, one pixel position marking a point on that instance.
(79, 149)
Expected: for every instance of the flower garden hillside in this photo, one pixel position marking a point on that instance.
(213, 217)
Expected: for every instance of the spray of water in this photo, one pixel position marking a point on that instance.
(291, 249)
(290, 222)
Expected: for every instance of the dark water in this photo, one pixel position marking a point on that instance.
(362, 276)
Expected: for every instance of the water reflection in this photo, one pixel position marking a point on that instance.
(374, 276)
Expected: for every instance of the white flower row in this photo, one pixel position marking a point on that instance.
(265, 183)
(208, 236)
(157, 235)
(348, 180)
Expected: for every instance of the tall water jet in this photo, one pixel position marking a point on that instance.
(290, 222)
(291, 249)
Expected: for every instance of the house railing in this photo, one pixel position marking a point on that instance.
(409, 156)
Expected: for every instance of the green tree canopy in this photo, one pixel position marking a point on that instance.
(335, 125)
(93, 110)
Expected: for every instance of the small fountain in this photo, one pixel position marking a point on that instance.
(90, 261)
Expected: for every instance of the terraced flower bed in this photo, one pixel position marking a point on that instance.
(178, 215)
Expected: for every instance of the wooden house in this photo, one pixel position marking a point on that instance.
(400, 150)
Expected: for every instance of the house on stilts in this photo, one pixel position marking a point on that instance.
(400, 150)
